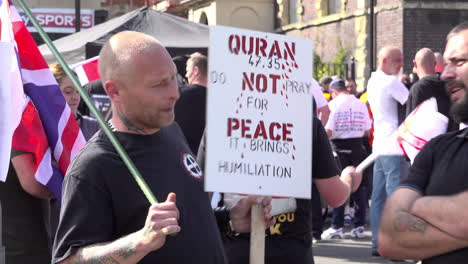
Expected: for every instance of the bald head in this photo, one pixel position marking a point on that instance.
(424, 62)
(120, 53)
(139, 77)
(390, 60)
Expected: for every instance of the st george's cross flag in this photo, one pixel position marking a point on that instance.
(420, 126)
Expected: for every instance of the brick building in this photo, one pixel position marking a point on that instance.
(348, 24)
(361, 27)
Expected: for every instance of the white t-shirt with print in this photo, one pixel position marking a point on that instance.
(349, 117)
(384, 92)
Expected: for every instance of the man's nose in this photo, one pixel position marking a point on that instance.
(448, 73)
(174, 91)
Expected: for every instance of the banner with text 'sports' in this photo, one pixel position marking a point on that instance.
(259, 113)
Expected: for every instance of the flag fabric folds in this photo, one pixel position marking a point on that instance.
(30, 137)
(59, 125)
(11, 90)
(420, 126)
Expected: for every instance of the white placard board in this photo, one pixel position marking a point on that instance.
(259, 113)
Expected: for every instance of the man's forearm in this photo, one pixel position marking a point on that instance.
(413, 238)
(122, 251)
(403, 235)
(447, 213)
(323, 114)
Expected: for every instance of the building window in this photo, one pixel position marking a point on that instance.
(293, 15)
(334, 6)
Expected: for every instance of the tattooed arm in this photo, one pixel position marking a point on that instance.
(124, 250)
(447, 213)
(403, 235)
(162, 220)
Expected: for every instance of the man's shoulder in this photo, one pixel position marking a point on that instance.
(193, 91)
(192, 88)
(428, 81)
(95, 151)
(341, 100)
(379, 81)
(356, 101)
(440, 142)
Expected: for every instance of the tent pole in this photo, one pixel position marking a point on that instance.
(77, 15)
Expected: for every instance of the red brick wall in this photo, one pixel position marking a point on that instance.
(389, 30)
(328, 37)
(310, 10)
(351, 6)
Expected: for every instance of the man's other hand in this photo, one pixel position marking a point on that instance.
(241, 213)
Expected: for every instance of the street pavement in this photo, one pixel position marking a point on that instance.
(347, 250)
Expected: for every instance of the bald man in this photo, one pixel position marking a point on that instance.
(385, 93)
(105, 217)
(429, 85)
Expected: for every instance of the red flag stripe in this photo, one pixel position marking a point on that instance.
(30, 57)
(70, 133)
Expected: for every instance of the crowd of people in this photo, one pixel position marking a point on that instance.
(415, 210)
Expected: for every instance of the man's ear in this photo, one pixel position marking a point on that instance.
(196, 71)
(113, 90)
(334, 92)
(384, 60)
(415, 65)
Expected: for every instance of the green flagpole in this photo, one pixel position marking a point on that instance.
(84, 95)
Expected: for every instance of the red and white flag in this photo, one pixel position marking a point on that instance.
(62, 133)
(420, 126)
(87, 70)
(11, 89)
(423, 124)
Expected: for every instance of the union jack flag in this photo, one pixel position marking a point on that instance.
(62, 133)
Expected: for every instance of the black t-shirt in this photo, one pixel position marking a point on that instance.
(427, 87)
(289, 240)
(190, 112)
(102, 202)
(441, 169)
(23, 228)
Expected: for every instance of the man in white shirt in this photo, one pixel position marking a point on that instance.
(321, 103)
(385, 92)
(349, 121)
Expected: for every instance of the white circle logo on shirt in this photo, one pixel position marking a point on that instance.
(191, 165)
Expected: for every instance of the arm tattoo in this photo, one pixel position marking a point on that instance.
(96, 260)
(125, 252)
(406, 222)
(130, 126)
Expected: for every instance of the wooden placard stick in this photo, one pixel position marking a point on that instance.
(257, 235)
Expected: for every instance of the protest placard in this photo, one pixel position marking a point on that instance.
(259, 113)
